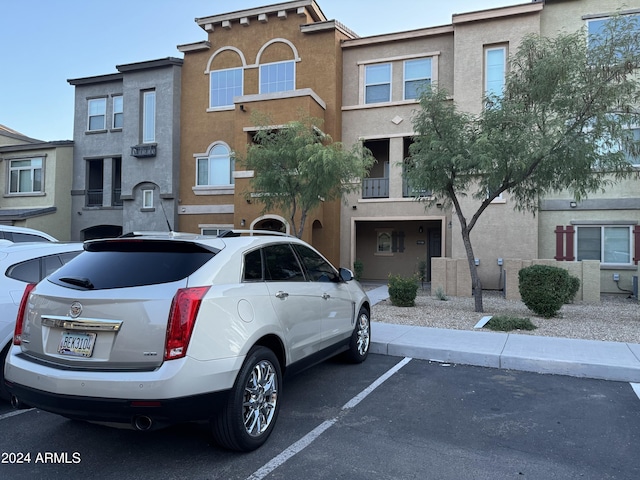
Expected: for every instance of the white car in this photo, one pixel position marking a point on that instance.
(21, 264)
(147, 331)
(23, 234)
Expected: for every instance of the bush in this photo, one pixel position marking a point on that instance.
(403, 291)
(358, 268)
(544, 289)
(506, 323)
(440, 295)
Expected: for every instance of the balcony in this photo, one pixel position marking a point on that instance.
(144, 151)
(94, 198)
(375, 188)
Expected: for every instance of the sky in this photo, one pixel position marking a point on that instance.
(44, 43)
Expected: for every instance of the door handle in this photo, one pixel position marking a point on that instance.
(326, 296)
(282, 294)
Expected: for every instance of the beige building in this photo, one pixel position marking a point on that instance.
(36, 180)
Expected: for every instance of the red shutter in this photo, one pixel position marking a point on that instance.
(564, 243)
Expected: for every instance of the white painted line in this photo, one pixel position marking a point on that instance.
(15, 412)
(305, 441)
(636, 388)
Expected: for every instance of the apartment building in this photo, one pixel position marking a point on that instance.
(127, 142)
(281, 60)
(36, 179)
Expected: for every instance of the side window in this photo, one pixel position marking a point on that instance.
(318, 269)
(281, 264)
(65, 257)
(27, 237)
(253, 266)
(51, 264)
(28, 271)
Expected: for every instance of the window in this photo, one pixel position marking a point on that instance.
(377, 80)
(97, 114)
(277, 77)
(147, 198)
(633, 160)
(253, 266)
(118, 116)
(281, 265)
(149, 117)
(417, 77)
(384, 242)
(225, 84)
(25, 176)
(95, 178)
(217, 168)
(609, 244)
(317, 268)
(600, 28)
(495, 70)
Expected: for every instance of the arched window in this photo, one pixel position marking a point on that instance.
(217, 168)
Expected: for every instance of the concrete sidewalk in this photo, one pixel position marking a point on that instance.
(562, 356)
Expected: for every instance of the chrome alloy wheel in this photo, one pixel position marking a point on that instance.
(260, 398)
(362, 334)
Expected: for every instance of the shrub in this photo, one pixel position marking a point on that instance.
(358, 268)
(544, 289)
(403, 291)
(506, 323)
(440, 295)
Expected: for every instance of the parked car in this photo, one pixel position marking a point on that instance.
(21, 264)
(23, 234)
(146, 331)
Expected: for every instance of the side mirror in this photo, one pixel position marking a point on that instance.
(346, 275)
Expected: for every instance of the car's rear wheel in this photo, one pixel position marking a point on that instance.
(249, 414)
(360, 338)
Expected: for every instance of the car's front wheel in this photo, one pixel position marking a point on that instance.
(249, 415)
(360, 338)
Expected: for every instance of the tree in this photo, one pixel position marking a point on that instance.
(297, 166)
(562, 122)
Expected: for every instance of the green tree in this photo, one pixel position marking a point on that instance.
(297, 166)
(561, 123)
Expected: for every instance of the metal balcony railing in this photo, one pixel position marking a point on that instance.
(94, 198)
(375, 188)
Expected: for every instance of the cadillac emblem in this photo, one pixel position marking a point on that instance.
(75, 310)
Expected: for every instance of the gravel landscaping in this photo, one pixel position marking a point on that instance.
(616, 318)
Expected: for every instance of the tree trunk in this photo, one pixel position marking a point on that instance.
(476, 286)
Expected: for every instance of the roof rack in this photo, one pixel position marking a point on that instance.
(251, 233)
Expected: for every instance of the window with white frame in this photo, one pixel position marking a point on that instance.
(495, 68)
(25, 175)
(417, 77)
(377, 83)
(118, 115)
(147, 198)
(149, 116)
(277, 77)
(97, 114)
(224, 85)
(217, 168)
(611, 244)
(384, 242)
(597, 28)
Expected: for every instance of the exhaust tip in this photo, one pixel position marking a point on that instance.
(16, 403)
(142, 423)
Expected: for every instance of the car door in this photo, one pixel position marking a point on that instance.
(337, 303)
(297, 302)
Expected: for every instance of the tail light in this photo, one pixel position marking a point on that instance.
(20, 319)
(182, 318)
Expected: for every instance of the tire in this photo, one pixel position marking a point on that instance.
(250, 412)
(360, 338)
(4, 393)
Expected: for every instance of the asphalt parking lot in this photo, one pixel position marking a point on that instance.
(389, 418)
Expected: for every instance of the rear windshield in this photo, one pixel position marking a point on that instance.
(119, 264)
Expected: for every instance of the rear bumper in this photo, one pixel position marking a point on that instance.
(126, 412)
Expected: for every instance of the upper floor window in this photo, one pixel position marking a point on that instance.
(600, 28)
(495, 70)
(609, 244)
(224, 85)
(417, 77)
(217, 168)
(149, 117)
(97, 114)
(633, 160)
(277, 77)
(118, 115)
(377, 83)
(25, 176)
(147, 198)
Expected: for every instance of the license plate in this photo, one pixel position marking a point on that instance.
(77, 344)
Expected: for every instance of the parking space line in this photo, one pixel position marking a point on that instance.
(15, 412)
(636, 388)
(305, 441)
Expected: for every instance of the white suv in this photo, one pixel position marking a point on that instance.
(152, 330)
